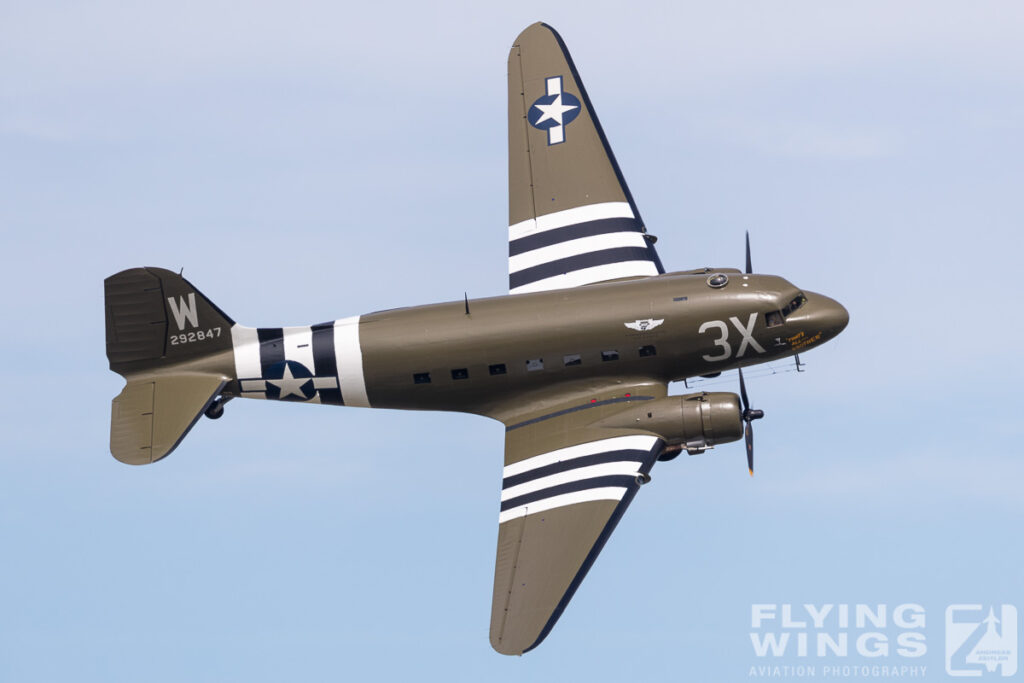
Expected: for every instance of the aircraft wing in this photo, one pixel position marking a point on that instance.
(565, 485)
(572, 220)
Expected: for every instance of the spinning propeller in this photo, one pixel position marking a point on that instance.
(748, 414)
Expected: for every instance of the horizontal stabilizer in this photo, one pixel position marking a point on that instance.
(151, 415)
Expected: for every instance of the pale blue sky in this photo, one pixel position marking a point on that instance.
(305, 161)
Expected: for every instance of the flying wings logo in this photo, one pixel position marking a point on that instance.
(880, 641)
(980, 641)
(554, 111)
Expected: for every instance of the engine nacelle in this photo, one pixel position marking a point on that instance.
(695, 422)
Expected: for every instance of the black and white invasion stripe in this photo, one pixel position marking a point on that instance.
(329, 351)
(578, 246)
(598, 470)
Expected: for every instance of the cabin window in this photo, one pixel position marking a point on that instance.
(572, 359)
(535, 364)
(648, 350)
(773, 318)
(460, 373)
(421, 378)
(609, 355)
(497, 369)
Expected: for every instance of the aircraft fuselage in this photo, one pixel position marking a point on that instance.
(439, 357)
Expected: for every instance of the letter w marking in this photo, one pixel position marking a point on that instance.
(183, 311)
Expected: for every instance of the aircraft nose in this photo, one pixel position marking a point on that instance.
(827, 314)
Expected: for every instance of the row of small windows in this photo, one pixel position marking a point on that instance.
(534, 364)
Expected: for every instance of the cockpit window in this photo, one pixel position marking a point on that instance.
(798, 301)
(772, 319)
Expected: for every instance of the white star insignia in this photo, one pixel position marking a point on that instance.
(554, 111)
(289, 385)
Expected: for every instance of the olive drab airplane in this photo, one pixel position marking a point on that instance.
(575, 361)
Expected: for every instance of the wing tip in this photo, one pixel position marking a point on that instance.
(534, 27)
(502, 649)
(517, 650)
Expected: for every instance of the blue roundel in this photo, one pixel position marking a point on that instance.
(550, 111)
(289, 381)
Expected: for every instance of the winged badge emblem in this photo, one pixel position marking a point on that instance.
(644, 325)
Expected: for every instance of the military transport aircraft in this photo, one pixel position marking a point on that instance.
(575, 361)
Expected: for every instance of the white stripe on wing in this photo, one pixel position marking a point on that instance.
(631, 467)
(637, 442)
(583, 245)
(586, 276)
(605, 493)
(560, 219)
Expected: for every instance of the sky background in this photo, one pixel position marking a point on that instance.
(306, 161)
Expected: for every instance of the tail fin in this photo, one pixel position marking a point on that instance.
(173, 345)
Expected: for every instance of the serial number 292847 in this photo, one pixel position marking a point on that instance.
(197, 335)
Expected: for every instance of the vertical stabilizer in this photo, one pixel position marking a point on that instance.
(173, 345)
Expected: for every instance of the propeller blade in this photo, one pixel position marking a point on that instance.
(750, 269)
(743, 392)
(749, 415)
(748, 434)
